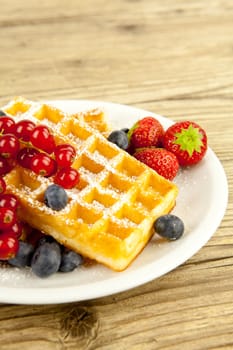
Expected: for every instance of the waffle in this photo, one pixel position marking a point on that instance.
(110, 213)
(24, 109)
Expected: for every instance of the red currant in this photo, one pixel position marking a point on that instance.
(7, 125)
(2, 185)
(7, 218)
(25, 155)
(67, 177)
(5, 167)
(8, 200)
(9, 245)
(42, 138)
(43, 165)
(23, 129)
(16, 229)
(9, 146)
(34, 236)
(64, 155)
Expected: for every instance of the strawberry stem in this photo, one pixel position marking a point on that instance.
(189, 140)
(131, 130)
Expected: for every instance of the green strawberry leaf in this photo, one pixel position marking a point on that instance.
(189, 140)
(131, 130)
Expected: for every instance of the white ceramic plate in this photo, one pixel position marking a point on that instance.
(201, 204)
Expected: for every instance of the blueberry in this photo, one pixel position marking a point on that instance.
(126, 130)
(55, 197)
(70, 260)
(119, 137)
(169, 226)
(45, 239)
(23, 256)
(46, 259)
(2, 114)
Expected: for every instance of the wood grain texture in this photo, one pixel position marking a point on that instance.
(171, 57)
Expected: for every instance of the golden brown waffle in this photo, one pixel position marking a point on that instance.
(110, 213)
(24, 109)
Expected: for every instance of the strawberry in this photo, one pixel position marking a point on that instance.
(187, 140)
(162, 161)
(147, 132)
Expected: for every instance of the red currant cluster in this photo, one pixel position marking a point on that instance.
(33, 147)
(11, 228)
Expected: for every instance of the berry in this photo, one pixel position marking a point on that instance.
(7, 218)
(23, 256)
(9, 245)
(41, 138)
(187, 140)
(16, 229)
(5, 167)
(2, 113)
(162, 161)
(70, 260)
(2, 185)
(147, 132)
(9, 146)
(45, 239)
(67, 177)
(64, 155)
(46, 259)
(34, 236)
(169, 226)
(25, 156)
(119, 138)
(8, 200)
(7, 125)
(126, 130)
(55, 197)
(23, 129)
(43, 165)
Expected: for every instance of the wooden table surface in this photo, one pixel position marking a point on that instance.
(171, 57)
